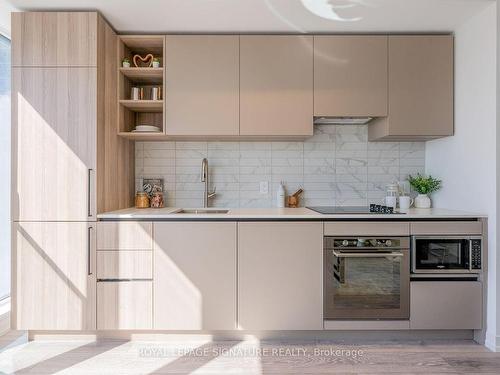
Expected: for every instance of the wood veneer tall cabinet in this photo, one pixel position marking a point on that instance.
(420, 84)
(280, 277)
(276, 85)
(202, 85)
(68, 163)
(54, 271)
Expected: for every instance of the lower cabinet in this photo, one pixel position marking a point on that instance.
(124, 275)
(194, 275)
(280, 278)
(54, 281)
(124, 304)
(446, 305)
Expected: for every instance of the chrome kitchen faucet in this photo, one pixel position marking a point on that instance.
(204, 178)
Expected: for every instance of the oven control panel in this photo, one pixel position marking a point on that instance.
(364, 243)
(475, 254)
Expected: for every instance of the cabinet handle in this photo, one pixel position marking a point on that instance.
(89, 251)
(89, 193)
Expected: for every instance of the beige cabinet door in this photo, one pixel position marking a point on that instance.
(280, 277)
(420, 89)
(276, 78)
(54, 276)
(446, 305)
(421, 85)
(195, 275)
(53, 144)
(124, 304)
(350, 75)
(201, 86)
(54, 38)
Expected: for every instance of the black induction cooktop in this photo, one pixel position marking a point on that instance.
(349, 210)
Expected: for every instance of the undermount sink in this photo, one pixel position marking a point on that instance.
(201, 211)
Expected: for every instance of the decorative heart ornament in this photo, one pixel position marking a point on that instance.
(147, 60)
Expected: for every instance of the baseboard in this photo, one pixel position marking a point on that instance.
(355, 336)
(492, 343)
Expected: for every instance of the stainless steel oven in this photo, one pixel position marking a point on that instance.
(366, 278)
(446, 254)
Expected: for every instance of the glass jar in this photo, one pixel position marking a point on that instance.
(392, 190)
(157, 200)
(141, 199)
(391, 195)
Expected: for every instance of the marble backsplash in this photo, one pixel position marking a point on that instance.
(337, 166)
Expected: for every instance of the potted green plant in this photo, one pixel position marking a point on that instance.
(126, 62)
(424, 186)
(156, 62)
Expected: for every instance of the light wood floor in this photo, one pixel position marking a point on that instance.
(244, 357)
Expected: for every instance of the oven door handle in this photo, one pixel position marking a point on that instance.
(367, 255)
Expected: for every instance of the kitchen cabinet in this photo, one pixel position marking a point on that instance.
(280, 278)
(125, 265)
(420, 86)
(202, 85)
(368, 228)
(68, 161)
(124, 235)
(447, 228)
(54, 138)
(276, 85)
(53, 276)
(54, 39)
(350, 75)
(446, 305)
(195, 275)
(124, 275)
(124, 304)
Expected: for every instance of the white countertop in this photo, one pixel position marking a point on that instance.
(278, 213)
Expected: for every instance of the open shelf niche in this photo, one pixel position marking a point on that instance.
(144, 111)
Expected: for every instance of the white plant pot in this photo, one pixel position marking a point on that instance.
(422, 201)
(126, 64)
(156, 64)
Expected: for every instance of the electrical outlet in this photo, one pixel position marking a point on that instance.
(264, 187)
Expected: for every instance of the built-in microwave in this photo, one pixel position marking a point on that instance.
(446, 254)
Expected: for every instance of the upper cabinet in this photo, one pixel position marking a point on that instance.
(254, 86)
(420, 89)
(54, 39)
(350, 75)
(202, 85)
(276, 85)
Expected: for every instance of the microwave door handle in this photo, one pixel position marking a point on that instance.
(470, 254)
(367, 255)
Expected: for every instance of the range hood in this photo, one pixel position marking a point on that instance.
(332, 120)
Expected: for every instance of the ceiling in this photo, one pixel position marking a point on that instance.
(273, 15)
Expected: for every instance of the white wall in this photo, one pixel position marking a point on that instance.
(5, 10)
(466, 162)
